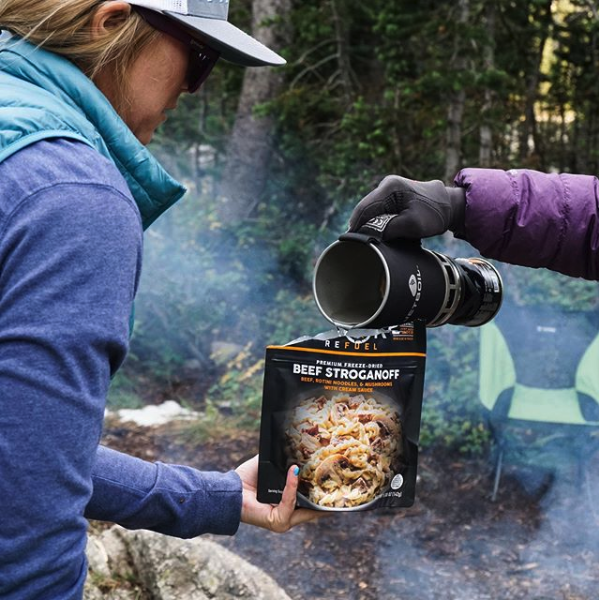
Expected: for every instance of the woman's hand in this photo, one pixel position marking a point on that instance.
(276, 517)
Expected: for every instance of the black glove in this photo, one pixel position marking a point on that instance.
(413, 209)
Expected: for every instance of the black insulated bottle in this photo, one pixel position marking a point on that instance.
(360, 282)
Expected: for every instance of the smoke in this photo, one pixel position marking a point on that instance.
(209, 286)
(199, 286)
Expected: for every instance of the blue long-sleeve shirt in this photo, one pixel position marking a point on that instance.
(70, 258)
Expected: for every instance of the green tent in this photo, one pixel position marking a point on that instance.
(539, 365)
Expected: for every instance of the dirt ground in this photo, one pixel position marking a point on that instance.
(538, 541)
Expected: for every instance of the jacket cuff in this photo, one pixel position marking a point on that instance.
(457, 202)
(211, 504)
(214, 508)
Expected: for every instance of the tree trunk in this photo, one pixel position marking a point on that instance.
(486, 134)
(593, 109)
(529, 126)
(342, 38)
(453, 157)
(455, 113)
(250, 145)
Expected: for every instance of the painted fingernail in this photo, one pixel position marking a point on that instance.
(296, 471)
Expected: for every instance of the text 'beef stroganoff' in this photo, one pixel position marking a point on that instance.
(347, 447)
(347, 412)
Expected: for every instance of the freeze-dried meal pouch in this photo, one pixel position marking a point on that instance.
(346, 410)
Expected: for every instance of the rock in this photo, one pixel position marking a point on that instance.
(97, 557)
(197, 569)
(110, 570)
(91, 591)
(124, 565)
(116, 550)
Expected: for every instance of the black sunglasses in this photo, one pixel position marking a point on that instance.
(202, 58)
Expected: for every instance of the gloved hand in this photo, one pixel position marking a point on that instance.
(421, 208)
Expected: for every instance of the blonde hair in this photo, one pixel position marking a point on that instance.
(64, 27)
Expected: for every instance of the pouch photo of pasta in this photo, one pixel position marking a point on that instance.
(347, 412)
(348, 447)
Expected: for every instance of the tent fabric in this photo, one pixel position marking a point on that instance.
(540, 365)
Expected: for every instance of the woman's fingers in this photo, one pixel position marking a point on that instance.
(276, 517)
(281, 515)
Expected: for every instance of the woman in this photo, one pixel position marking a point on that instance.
(519, 216)
(83, 86)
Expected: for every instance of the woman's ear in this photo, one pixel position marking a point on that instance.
(108, 16)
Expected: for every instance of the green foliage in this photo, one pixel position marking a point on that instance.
(234, 401)
(451, 414)
(539, 287)
(297, 316)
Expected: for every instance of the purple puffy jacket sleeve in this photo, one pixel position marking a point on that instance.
(534, 219)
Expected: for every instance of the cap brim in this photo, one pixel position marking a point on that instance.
(233, 44)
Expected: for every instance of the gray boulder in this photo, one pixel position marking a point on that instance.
(127, 565)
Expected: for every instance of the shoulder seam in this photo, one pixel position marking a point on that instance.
(39, 136)
(24, 200)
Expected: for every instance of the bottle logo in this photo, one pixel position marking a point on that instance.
(413, 285)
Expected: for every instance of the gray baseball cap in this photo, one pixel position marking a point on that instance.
(209, 19)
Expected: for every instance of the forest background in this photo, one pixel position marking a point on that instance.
(275, 159)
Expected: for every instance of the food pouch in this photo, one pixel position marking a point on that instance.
(347, 412)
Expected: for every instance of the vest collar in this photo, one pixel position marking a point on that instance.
(67, 101)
